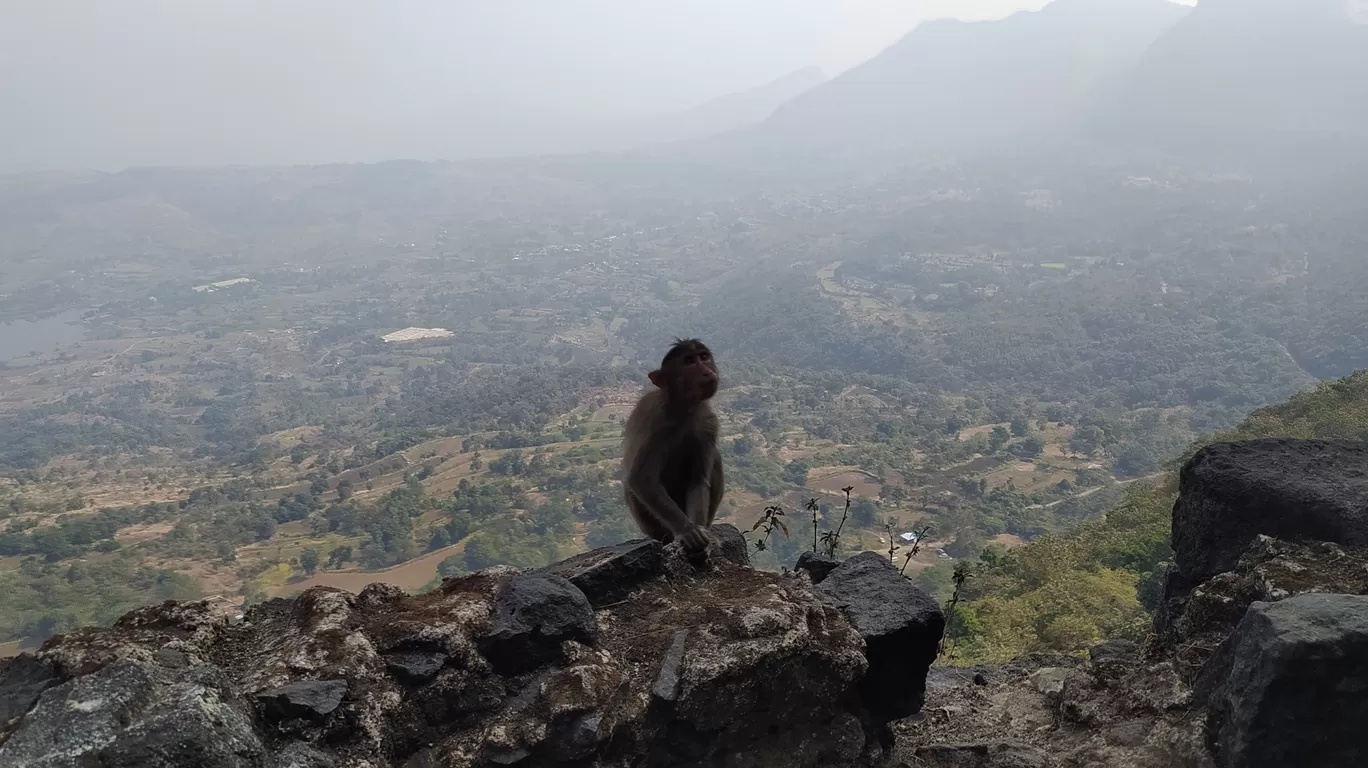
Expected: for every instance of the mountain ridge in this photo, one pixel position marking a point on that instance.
(964, 83)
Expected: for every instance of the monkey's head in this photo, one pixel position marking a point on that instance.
(688, 374)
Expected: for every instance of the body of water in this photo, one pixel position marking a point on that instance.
(22, 337)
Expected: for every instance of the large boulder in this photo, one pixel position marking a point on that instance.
(696, 664)
(901, 626)
(306, 699)
(1195, 620)
(533, 615)
(131, 713)
(816, 566)
(1290, 686)
(1297, 490)
(609, 574)
(22, 679)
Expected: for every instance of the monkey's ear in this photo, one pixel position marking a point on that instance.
(657, 378)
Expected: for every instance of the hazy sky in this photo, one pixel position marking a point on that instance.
(114, 82)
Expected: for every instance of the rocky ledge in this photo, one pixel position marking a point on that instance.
(625, 656)
(1259, 655)
(635, 656)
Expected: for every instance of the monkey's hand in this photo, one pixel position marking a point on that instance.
(694, 540)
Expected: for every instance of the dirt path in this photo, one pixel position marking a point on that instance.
(408, 576)
(1091, 491)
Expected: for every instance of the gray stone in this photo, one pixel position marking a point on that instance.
(135, 714)
(901, 626)
(609, 574)
(298, 755)
(574, 736)
(995, 755)
(79, 717)
(171, 658)
(731, 544)
(1116, 651)
(415, 666)
(22, 679)
(307, 699)
(1052, 680)
(1290, 686)
(533, 615)
(818, 567)
(666, 687)
(1131, 733)
(1298, 490)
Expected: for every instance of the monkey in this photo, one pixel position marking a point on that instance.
(672, 470)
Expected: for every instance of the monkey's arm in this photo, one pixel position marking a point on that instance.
(716, 486)
(706, 495)
(644, 482)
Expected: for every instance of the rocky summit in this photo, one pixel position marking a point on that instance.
(627, 655)
(1259, 654)
(635, 655)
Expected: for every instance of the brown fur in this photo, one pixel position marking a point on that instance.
(672, 480)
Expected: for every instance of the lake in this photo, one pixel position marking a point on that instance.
(20, 337)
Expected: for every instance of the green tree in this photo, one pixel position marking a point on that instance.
(308, 560)
(863, 512)
(339, 556)
(998, 438)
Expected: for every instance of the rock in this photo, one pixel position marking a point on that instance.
(1290, 686)
(609, 574)
(297, 755)
(22, 679)
(716, 665)
(1051, 680)
(980, 679)
(1116, 651)
(767, 671)
(1298, 490)
(574, 736)
(731, 544)
(1131, 733)
(666, 687)
(306, 700)
(534, 614)
(901, 627)
(995, 755)
(132, 714)
(191, 628)
(171, 658)
(1195, 620)
(415, 666)
(817, 566)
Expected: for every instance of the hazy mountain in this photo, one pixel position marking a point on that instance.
(725, 113)
(1247, 72)
(955, 84)
(740, 109)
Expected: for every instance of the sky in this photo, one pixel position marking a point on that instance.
(95, 83)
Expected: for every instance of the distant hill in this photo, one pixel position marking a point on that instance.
(1248, 73)
(953, 84)
(493, 131)
(739, 109)
(1102, 578)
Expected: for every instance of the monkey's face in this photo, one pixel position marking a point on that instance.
(691, 377)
